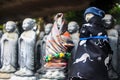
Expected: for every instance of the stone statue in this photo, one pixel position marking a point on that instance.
(113, 40)
(26, 44)
(117, 27)
(38, 49)
(56, 50)
(73, 29)
(47, 30)
(9, 48)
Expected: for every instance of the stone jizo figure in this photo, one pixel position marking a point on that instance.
(113, 40)
(47, 30)
(38, 49)
(73, 29)
(117, 27)
(9, 48)
(26, 44)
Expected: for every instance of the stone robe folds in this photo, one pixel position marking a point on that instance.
(9, 49)
(26, 49)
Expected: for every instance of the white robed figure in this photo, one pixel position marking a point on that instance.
(27, 48)
(9, 48)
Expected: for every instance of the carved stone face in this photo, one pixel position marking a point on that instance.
(108, 21)
(10, 26)
(73, 27)
(28, 24)
(48, 28)
(88, 16)
(42, 34)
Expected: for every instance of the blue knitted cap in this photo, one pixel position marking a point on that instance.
(95, 11)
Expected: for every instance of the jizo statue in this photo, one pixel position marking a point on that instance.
(26, 44)
(9, 48)
(73, 29)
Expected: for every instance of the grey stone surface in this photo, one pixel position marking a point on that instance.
(26, 44)
(14, 77)
(5, 76)
(73, 29)
(9, 48)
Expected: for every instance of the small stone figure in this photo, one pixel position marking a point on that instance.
(26, 44)
(91, 57)
(113, 40)
(73, 29)
(47, 30)
(9, 48)
(38, 49)
(117, 27)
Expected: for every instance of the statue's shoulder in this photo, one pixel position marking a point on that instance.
(5, 34)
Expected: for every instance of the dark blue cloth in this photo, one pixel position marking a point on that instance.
(93, 49)
(95, 11)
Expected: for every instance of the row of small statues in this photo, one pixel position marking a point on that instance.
(24, 54)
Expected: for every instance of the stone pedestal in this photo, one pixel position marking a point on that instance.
(5, 76)
(52, 74)
(14, 77)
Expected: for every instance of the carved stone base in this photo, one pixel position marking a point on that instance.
(52, 74)
(5, 76)
(47, 79)
(14, 77)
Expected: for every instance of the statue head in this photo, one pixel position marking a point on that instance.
(42, 34)
(28, 24)
(108, 21)
(48, 28)
(73, 27)
(93, 11)
(10, 26)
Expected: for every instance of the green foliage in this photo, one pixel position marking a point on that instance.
(1, 27)
(115, 11)
(105, 5)
(74, 16)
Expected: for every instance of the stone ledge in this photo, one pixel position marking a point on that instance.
(14, 77)
(4, 76)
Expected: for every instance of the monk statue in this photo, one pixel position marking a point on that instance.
(26, 44)
(9, 48)
(47, 30)
(117, 27)
(113, 40)
(38, 49)
(56, 50)
(73, 29)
